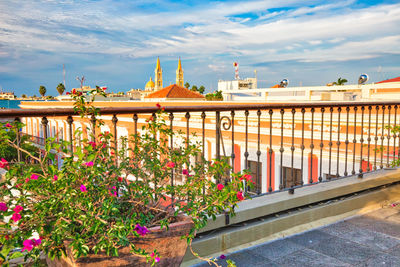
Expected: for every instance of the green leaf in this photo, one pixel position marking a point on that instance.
(16, 255)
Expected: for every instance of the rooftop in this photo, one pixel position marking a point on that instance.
(394, 80)
(175, 91)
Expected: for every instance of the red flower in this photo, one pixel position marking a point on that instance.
(220, 187)
(247, 177)
(68, 93)
(185, 172)
(158, 105)
(170, 164)
(73, 91)
(3, 163)
(239, 195)
(16, 217)
(120, 179)
(18, 209)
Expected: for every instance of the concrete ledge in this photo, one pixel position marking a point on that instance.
(233, 238)
(281, 201)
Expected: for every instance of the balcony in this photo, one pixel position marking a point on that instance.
(311, 162)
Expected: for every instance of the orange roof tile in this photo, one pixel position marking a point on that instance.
(174, 91)
(397, 79)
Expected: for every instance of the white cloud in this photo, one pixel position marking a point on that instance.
(289, 32)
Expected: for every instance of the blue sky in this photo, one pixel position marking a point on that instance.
(116, 43)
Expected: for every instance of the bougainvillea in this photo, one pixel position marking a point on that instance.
(97, 199)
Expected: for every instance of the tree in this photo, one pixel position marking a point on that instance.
(218, 95)
(60, 88)
(187, 85)
(340, 81)
(194, 88)
(23, 95)
(201, 89)
(42, 90)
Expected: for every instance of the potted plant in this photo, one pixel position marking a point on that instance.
(113, 207)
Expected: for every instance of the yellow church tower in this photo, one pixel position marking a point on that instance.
(179, 74)
(158, 76)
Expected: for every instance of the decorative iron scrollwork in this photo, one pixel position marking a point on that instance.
(227, 124)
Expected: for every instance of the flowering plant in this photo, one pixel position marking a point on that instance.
(105, 193)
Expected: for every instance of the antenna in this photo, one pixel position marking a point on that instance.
(81, 80)
(64, 74)
(236, 65)
(284, 83)
(363, 78)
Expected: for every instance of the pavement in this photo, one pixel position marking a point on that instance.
(372, 239)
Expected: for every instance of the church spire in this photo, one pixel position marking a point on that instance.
(158, 76)
(179, 73)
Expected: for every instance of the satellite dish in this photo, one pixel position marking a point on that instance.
(284, 83)
(363, 78)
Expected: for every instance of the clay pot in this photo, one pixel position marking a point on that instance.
(169, 245)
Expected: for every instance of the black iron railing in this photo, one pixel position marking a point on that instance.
(284, 145)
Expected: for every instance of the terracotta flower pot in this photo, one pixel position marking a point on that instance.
(169, 245)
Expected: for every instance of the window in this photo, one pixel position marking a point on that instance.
(252, 166)
(288, 180)
(61, 133)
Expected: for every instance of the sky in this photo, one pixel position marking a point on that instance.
(116, 43)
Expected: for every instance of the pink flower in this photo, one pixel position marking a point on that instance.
(16, 217)
(93, 144)
(220, 187)
(36, 242)
(185, 172)
(247, 177)
(170, 164)
(156, 259)
(89, 164)
(239, 195)
(8, 125)
(222, 257)
(141, 230)
(3, 163)
(55, 177)
(18, 209)
(34, 177)
(393, 205)
(3, 206)
(83, 188)
(29, 244)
